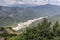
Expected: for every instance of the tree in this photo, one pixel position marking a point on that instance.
(43, 31)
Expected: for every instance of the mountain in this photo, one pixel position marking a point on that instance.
(22, 5)
(14, 15)
(55, 18)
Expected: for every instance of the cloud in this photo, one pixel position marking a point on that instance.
(11, 2)
(36, 2)
(32, 2)
(54, 2)
(7, 2)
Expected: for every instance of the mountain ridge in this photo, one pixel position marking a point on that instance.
(22, 14)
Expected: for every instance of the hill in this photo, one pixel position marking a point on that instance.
(55, 18)
(13, 15)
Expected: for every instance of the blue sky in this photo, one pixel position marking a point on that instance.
(32, 2)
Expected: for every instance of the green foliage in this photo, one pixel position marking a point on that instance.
(13, 38)
(43, 31)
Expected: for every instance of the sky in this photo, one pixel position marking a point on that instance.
(31, 2)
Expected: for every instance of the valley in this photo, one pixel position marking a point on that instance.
(30, 22)
(11, 16)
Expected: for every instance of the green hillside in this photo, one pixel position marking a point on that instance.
(6, 21)
(43, 31)
(12, 15)
(55, 18)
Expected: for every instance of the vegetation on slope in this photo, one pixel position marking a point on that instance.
(6, 21)
(43, 31)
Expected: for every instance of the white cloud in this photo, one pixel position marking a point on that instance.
(7, 2)
(11, 2)
(54, 2)
(32, 2)
(37, 2)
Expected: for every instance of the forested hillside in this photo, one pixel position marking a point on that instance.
(21, 14)
(43, 31)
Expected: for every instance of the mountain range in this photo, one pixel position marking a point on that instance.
(13, 15)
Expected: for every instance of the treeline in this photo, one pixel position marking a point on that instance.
(43, 31)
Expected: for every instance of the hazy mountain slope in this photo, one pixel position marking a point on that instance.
(55, 18)
(20, 14)
(6, 21)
